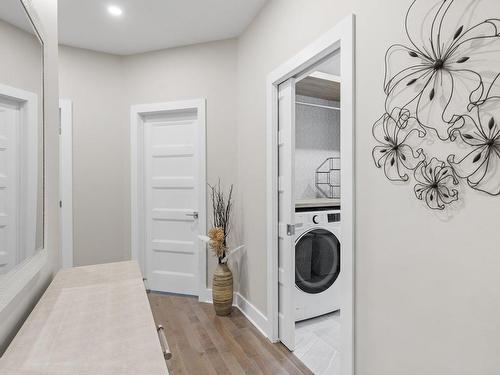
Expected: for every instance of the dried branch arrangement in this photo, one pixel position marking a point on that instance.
(221, 220)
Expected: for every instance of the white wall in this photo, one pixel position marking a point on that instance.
(13, 316)
(317, 138)
(427, 291)
(20, 58)
(427, 296)
(94, 83)
(200, 71)
(102, 88)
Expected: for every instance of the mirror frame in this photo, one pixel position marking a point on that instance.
(14, 281)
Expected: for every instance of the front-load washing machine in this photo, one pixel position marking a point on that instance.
(317, 263)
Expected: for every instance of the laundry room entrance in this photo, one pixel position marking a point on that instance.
(314, 198)
(318, 215)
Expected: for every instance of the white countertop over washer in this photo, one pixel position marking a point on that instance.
(317, 203)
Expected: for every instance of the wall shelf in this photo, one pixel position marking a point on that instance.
(319, 88)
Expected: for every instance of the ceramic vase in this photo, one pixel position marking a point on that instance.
(222, 290)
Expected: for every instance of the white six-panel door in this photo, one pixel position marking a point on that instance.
(9, 185)
(286, 213)
(173, 181)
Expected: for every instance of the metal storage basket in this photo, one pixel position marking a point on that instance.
(327, 178)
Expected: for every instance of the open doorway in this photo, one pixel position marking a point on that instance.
(311, 202)
(318, 215)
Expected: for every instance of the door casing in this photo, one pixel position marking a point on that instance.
(137, 114)
(17, 278)
(66, 180)
(286, 212)
(341, 36)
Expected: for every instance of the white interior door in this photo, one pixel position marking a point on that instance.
(174, 181)
(9, 186)
(286, 212)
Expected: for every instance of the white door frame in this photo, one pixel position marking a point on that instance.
(66, 180)
(27, 194)
(137, 177)
(341, 36)
(12, 283)
(286, 213)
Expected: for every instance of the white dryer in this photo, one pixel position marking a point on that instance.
(317, 263)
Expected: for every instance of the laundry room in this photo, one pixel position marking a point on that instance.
(314, 159)
(317, 136)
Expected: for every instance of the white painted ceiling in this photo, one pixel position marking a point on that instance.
(12, 11)
(148, 25)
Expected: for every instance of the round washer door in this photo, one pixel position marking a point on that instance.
(317, 261)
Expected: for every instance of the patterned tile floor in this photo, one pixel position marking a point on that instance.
(317, 343)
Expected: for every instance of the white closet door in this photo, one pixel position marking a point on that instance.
(286, 212)
(9, 185)
(172, 184)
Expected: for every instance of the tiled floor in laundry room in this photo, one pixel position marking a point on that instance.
(317, 343)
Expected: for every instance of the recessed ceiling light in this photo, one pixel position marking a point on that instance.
(114, 10)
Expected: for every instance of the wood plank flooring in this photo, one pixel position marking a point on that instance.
(203, 343)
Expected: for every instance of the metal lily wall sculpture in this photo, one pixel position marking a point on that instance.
(442, 94)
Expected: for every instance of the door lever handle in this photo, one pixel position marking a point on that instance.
(290, 228)
(194, 214)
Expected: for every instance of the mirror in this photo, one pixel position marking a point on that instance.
(21, 136)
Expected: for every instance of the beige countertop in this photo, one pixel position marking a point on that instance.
(317, 202)
(91, 320)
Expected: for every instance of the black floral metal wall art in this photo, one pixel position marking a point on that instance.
(479, 163)
(435, 183)
(439, 88)
(394, 153)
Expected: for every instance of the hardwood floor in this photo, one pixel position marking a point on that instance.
(203, 343)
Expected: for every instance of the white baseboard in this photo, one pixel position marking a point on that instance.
(205, 296)
(254, 315)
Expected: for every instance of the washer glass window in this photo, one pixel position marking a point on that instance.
(317, 261)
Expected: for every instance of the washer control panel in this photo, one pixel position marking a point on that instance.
(318, 217)
(333, 217)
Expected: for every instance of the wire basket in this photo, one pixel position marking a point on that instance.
(327, 178)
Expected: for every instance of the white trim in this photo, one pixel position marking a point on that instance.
(12, 283)
(35, 20)
(66, 180)
(205, 295)
(252, 313)
(341, 36)
(28, 164)
(28, 157)
(136, 124)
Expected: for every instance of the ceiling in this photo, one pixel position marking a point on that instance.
(148, 25)
(12, 11)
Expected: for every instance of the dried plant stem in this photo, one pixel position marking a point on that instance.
(221, 211)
